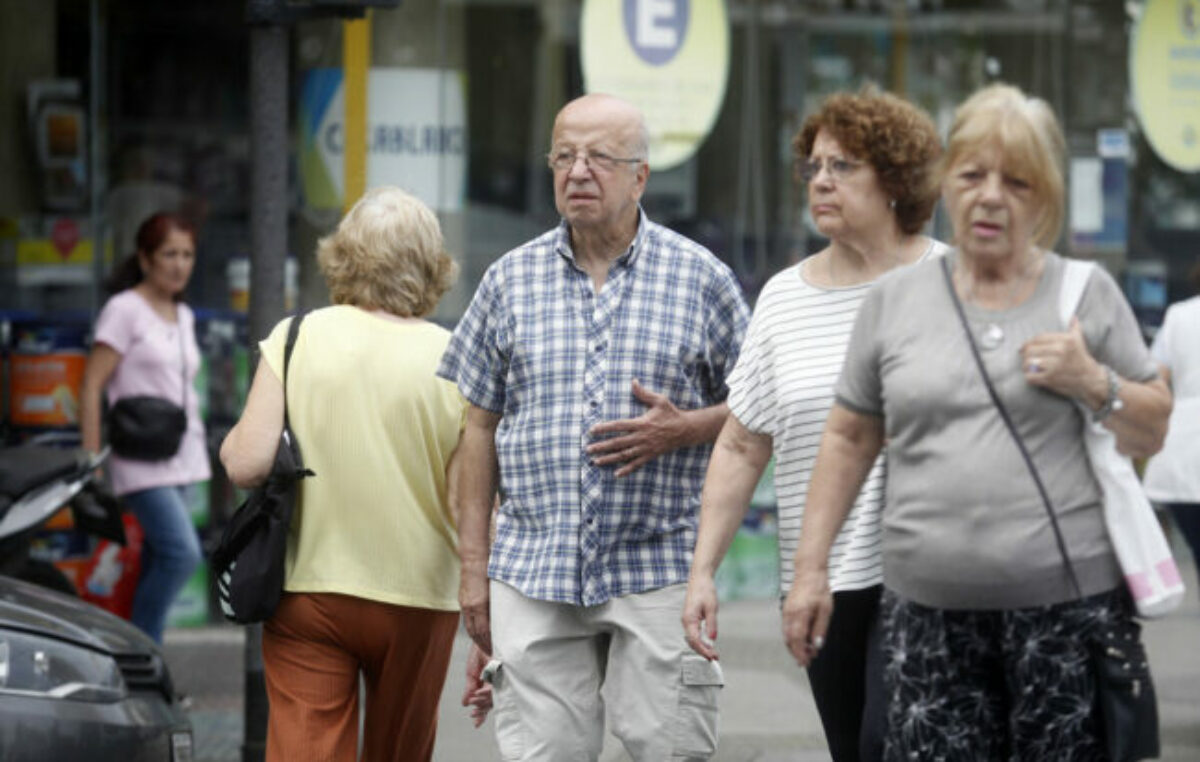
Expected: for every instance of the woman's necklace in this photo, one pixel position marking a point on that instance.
(991, 333)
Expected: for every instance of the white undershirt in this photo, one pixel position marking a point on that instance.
(1173, 475)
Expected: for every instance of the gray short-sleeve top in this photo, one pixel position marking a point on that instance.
(963, 525)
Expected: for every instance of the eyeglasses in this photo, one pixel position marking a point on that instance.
(839, 168)
(565, 158)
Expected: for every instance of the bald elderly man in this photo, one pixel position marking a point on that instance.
(595, 359)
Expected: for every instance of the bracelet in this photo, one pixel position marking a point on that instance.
(1112, 403)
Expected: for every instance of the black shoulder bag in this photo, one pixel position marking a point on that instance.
(248, 564)
(145, 427)
(1124, 689)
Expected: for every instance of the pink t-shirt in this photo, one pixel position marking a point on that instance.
(150, 364)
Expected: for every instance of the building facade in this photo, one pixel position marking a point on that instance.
(112, 109)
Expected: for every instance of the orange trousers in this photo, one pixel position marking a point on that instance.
(313, 649)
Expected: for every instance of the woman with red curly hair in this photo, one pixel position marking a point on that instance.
(1000, 577)
(867, 160)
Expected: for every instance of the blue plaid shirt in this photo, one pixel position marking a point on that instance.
(538, 346)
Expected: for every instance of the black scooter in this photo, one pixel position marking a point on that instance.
(36, 481)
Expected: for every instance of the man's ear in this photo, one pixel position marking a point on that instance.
(643, 174)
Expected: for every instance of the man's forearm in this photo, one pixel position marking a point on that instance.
(474, 492)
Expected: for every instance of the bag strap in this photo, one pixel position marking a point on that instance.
(1012, 429)
(182, 359)
(1075, 277)
(293, 332)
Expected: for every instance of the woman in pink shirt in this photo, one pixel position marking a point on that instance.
(144, 343)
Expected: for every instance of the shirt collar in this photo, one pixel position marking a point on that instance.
(562, 241)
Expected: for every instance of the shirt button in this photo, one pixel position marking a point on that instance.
(595, 403)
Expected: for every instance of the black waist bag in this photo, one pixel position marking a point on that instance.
(146, 428)
(248, 563)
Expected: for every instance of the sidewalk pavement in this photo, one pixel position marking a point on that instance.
(767, 712)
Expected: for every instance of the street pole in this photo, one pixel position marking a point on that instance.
(96, 174)
(270, 22)
(268, 251)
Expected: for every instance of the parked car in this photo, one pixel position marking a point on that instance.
(77, 683)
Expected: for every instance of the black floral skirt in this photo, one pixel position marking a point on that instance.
(994, 685)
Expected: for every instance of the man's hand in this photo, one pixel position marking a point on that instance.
(700, 617)
(474, 599)
(478, 694)
(806, 612)
(659, 430)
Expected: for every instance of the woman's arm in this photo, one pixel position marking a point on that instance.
(1061, 363)
(1141, 424)
(102, 363)
(736, 465)
(849, 446)
(248, 451)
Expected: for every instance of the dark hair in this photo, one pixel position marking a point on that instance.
(150, 235)
(1194, 277)
(895, 137)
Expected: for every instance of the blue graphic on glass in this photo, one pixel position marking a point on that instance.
(656, 28)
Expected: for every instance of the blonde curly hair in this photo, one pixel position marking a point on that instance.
(387, 253)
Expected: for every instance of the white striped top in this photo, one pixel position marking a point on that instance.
(783, 386)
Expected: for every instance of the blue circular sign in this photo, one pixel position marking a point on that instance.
(656, 28)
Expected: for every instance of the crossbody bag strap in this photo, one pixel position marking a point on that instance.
(182, 359)
(293, 332)
(1012, 429)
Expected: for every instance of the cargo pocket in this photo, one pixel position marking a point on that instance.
(510, 734)
(695, 730)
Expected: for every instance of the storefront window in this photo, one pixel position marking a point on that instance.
(463, 97)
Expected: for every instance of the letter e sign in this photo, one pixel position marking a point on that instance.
(656, 28)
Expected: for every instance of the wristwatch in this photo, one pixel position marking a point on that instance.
(1112, 403)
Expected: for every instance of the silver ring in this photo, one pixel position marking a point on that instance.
(1035, 366)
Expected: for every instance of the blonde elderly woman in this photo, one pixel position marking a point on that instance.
(372, 569)
(866, 158)
(985, 636)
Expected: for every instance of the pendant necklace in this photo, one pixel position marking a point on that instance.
(991, 334)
